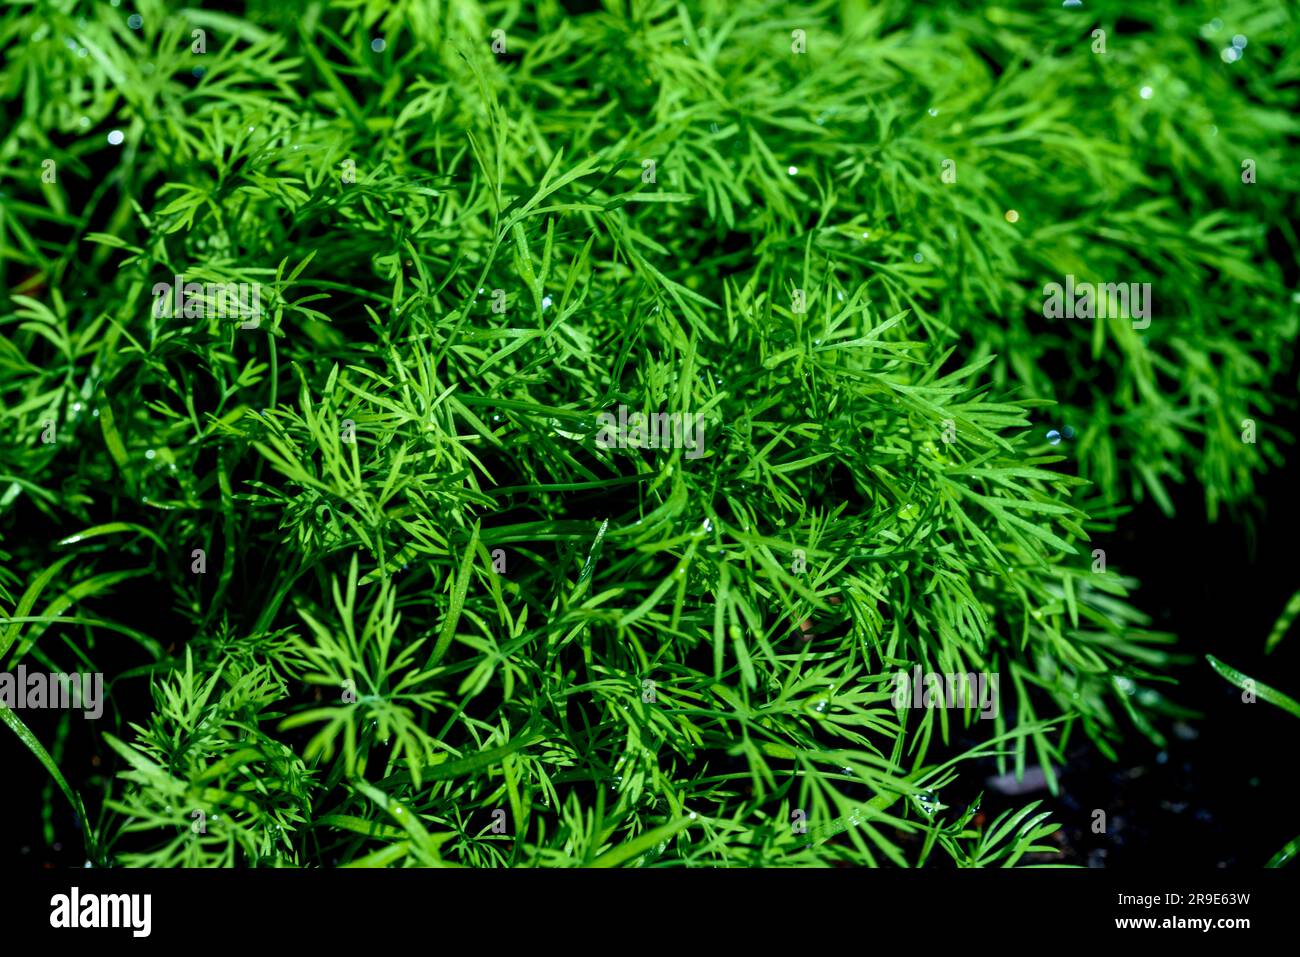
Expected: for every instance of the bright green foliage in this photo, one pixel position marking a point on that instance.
(682, 655)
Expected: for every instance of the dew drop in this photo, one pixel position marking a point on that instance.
(793, 170)
(1054, 437)
(1146, 92)
(1230, 54)
(135, 21)
(1239, 41)
(115, 138)
(378, 44)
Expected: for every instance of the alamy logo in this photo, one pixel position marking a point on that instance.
(932, 690)
(1111, 300)
(660, 430)
(133, 911)
(219, 300)
(55, 690)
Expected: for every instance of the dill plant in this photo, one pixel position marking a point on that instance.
(436, 622)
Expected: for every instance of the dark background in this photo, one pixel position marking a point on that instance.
(1221, 799)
